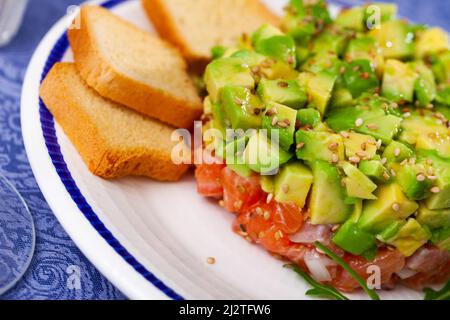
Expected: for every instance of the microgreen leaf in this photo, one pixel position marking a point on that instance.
(319, 289)
(443, 294)
(371, 293)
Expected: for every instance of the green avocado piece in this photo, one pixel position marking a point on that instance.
(359, 77)
(374, 122)
(281, 119)
(292, 184)
(396, 152)
(391, 205)
(431, 41)
(251, 58)
(330, 41)
(351, 18)
(308, 117)
(314, 145)
(441, 172)
(326, 204)
(267, 184)
(342, 97)
(242, 108)
(387, 11)
(434, 219)
(441, 238)
(352, 239)
(398, 81)
(441, 66)
(413, 180)
(367, 48)
(395, 39)
(390, 231)
(425, 85)
(319, 89)
(410, 237)
(219, 120)
(227, 71)
(357, 184)
(262, 156)
(375, 170)
(323, 61)
(286, 92)
(360, 145)
(272, 42)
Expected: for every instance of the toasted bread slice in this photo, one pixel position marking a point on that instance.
(196, 26)
(134, 68)
(113, 141)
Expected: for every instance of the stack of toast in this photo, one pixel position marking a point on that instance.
(128, 90)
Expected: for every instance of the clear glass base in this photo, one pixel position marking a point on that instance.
(17, 235)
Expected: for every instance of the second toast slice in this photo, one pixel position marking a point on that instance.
(134, 68)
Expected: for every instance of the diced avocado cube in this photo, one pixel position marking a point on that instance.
(395, 39)
(248, 57)
(431, 41)
(323, 61)
(421, 124)
(359, 77)
(313, 145)
(292, 184)
(357, 184)
(267, 183)
(219, 119)
(374, 169)
(384, 128)
(342, 97)
(273, 43)
(360, 145)
(425, 86)
(410, 237)
(241, 169)
(434, 219)
(327, 202)
(390, 231)
(281, 119)
(286, 92)
(441, 66)
(387, 11)
(413, 180)
(391, 205)
(319, 89)
(308, 117)
(440, 198)
(435, 141)
(351, 18)
(366, 47)
(441, 238)
(398, 81)
(397, 152)
(352, 239)
(227, 71)
(330, 42)
(242, 108)
(262, 156)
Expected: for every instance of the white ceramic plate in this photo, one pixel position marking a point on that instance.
(150, 239)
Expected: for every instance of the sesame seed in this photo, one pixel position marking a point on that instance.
(420, 177)
(211, 260)
(364, 146)
(430, 171)
(361, 154)
(432, 177)
(396, 207)
(334, 158)
(435, 190)
(379, 143)
(342, 70)
(333, 146)
(282, 124)
(393, 173)
(271, 112)
(430, 106)
(394, 105)
(383, 161)
(269, 197)
(238, 101)
(359, 122)
(259, 211)
(274, 120)
(397, 152)
(222, 203)
(266, 215)
(345, 134)
(372, 126)
(285, 188)
(300, 145)
(335, 227)
(343, 182)
(407, 114)
(354, 159)
(386, 176)
(283, 84)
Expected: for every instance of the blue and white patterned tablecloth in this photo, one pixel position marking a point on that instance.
(55, 252)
